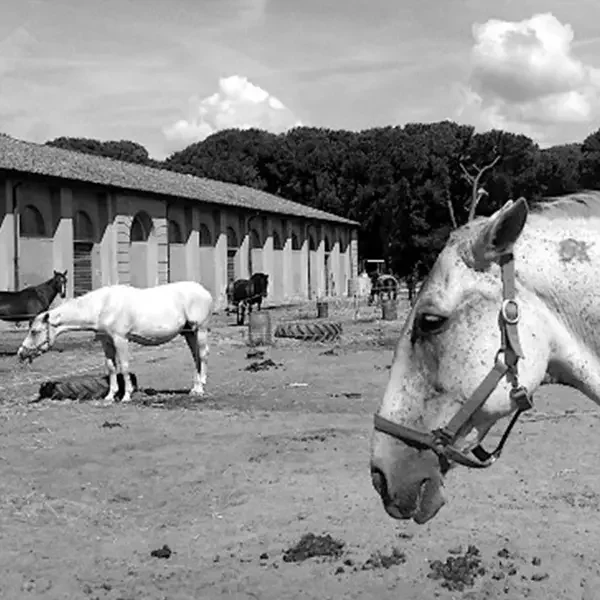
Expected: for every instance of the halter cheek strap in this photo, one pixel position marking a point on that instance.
(442, 441)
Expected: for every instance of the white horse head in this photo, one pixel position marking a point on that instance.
(447, 355)
(40, 337)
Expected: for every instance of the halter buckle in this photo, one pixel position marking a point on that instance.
(521, 397)
(442, 438)
(510, 306)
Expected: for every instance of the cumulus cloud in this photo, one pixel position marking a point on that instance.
(238, 104)
(18, 44)
(526, 79)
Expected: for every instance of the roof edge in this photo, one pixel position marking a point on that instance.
(323, 217)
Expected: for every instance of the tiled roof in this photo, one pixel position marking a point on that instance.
(27, 157)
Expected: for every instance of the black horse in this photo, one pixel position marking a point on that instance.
(246, 292)
(29, 302)
(383, 286)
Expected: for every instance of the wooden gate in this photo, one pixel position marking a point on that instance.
(83, 245)
(232, 250)
(82, 268)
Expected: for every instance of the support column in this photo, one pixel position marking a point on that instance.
(108, 243)
(158, 251)
(288, 266)
(268, 258)
(242, 259)
(62, 243)
(308, 282)
(192, 255)
(335, 266)
(220, 260)
(8, 225)
(320, 261)
(354, 253)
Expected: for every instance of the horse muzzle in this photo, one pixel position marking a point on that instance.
(27, 354)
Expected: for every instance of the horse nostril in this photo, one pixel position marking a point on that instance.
(380, 484)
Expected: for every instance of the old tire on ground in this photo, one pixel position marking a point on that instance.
(321, 331)
(82, 387)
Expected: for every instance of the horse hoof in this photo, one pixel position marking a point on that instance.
(125, 399)
(198, 392)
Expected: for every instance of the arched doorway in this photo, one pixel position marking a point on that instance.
(232, 250)
(206, 252)
(177, 262)
(35, 258)
(140, 254)
(255, 253)
(31, 222)
(83, 244)
(298, 268)
(277, 282)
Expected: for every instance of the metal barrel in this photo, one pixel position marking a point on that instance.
(259, 328)
(389, 310)
(322, 310)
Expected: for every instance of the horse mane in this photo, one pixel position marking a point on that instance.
(584, 204)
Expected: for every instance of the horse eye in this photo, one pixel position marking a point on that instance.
(428, 323)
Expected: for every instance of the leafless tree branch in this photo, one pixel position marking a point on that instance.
(477, 193)
(451, 211)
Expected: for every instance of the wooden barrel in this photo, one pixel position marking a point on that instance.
(389, 310)
(259, 328)
(322, 310)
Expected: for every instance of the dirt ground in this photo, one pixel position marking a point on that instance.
(232, 482)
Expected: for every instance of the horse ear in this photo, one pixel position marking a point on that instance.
(65, 272)
(502, 230)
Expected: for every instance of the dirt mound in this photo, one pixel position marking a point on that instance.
(459, 571)
(378, 560)
(311, 545)
(261, 365)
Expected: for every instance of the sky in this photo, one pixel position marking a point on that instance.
(169, 73)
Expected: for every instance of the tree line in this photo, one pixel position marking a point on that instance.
(408, 187)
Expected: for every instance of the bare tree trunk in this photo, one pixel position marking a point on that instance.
(451, 211)
(476, 196)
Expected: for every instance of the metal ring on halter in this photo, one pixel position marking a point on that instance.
(503, 311)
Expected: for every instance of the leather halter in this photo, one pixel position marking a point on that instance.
(442, 440)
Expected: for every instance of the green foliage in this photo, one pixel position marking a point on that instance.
(404, 185)
(118, 150)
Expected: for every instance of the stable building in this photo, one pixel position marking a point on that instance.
(108, 222)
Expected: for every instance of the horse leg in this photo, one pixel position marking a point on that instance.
(122, 348)
(197, 342)
(111, 364)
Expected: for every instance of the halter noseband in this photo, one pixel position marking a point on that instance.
(442, 440)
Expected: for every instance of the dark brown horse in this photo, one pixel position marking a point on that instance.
(29, 302)
(246, 292)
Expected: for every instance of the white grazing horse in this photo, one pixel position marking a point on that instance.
(121, 313)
